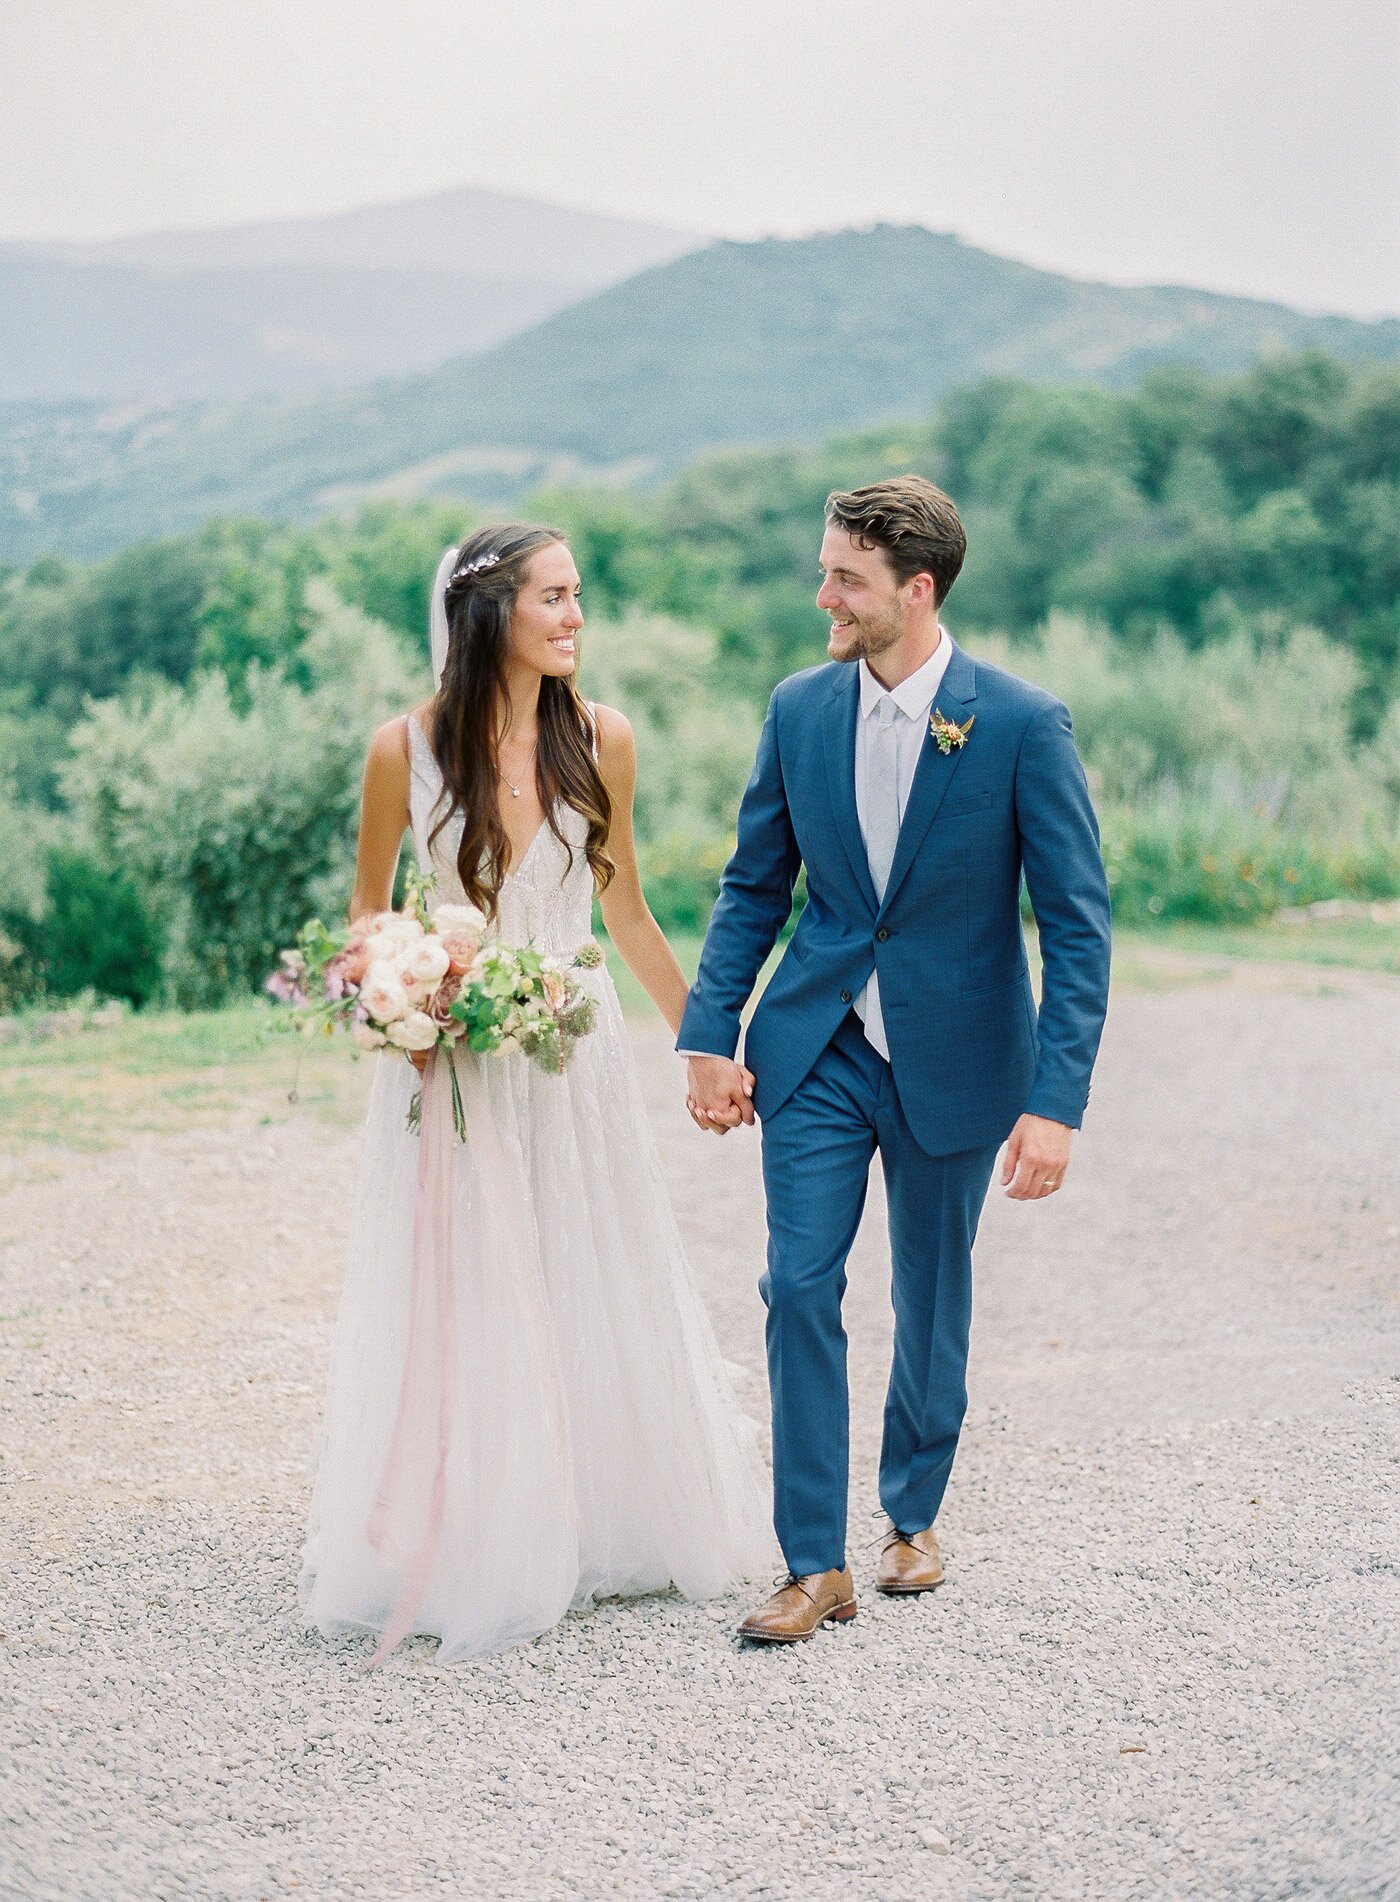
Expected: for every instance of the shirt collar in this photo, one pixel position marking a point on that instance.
(916, 695)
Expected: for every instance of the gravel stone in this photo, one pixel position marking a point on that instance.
(1162, 1664)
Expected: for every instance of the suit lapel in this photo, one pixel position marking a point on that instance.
(933, 775)
(839, 745)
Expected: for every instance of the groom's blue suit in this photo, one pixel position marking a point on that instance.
(967, 1055)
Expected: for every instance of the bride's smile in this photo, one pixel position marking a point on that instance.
(547, 616)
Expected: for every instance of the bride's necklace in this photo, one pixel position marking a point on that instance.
(514, 789)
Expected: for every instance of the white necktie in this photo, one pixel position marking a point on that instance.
(882, 794)
(881, 838)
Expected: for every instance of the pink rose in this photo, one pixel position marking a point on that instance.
(462, 948)
(354, 962)
(439, 1006)
(335, 977)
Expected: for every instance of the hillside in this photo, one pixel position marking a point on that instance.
(496, 236)
(115, 332)
(295, 306)
(739, 343)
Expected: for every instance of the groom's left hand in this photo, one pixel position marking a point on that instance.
(1037, 1158)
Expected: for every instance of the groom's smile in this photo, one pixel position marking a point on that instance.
(860, 594)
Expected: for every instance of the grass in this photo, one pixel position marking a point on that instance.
(164, 1070)
(1357, 944)
(167, 1070)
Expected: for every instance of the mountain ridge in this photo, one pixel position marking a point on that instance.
(292, 306)
(511, 234)
(780, 340)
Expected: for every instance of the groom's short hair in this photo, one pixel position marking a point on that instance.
(916, 524)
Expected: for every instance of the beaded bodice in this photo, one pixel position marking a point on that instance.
(546, 900)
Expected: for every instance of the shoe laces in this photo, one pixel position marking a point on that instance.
(890, 1534)
(784, 1579)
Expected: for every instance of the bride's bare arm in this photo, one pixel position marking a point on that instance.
(384, 818)
(627, 916)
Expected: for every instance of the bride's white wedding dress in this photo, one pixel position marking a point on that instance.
(595, 1445)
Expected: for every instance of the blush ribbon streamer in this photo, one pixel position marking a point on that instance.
(422, 1434)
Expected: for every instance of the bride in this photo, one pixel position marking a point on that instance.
(587, 1444)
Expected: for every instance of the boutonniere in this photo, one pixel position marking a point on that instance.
(947, 733)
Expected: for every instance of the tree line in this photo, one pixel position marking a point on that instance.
(1207, 570)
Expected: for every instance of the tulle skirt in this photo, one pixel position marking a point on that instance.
(593, 1445)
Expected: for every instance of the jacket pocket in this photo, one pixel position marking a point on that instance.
(971, 802)
(998, 985)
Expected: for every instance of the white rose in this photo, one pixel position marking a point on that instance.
(416, 1031)
(395, 924)
(425, 963)
(384, 947)
(366, 1036)
(382, 995)
(459, 918)
(507, 1044)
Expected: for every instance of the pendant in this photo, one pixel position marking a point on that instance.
(515, 792)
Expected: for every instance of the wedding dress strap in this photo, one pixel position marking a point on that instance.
(419, 751)
(593, 728)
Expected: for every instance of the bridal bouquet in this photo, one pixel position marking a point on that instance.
(416, 981)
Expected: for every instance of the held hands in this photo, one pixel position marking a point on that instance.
(719, 1093)
(1037, 1156)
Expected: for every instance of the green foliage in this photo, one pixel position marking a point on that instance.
(66, 633)
(27, 833)
(382, 560)
(232, 860)
(1204, 507)
(1173, 860)
(695, 748)
(1227, 779)
(97, 933)
(253, 611)
(1207, 572)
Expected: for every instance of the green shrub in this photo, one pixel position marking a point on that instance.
(96, 933)
(681, 876)
(1166, 860)
(27, 834)
(695, 744)
(235, 824)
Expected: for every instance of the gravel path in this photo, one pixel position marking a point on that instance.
(1164, 1663)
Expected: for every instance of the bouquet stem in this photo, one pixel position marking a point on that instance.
(459, 1115)
(443, 1054)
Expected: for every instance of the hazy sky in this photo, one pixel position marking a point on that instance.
(1249, 147)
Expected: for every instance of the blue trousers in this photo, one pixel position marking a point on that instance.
(817, 1151)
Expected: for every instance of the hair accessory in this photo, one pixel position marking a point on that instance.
(480, 566)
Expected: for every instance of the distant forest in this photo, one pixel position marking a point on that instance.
(1207, 570)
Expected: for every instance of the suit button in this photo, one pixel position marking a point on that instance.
(845, 997)
(881, 935)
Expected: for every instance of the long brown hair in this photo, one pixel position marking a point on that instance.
(469, 699)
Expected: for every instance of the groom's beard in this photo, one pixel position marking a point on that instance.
(872, 634)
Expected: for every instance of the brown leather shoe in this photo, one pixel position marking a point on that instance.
(909, 1562)
(800, 1605)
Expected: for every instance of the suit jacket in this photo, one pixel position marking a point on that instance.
(967, 1051)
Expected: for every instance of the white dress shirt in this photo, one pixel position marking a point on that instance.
(913, 703)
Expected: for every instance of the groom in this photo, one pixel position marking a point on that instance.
(916, 785)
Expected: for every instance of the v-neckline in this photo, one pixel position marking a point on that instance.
(515, 869)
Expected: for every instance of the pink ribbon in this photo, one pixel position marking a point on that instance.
(423, 1420)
